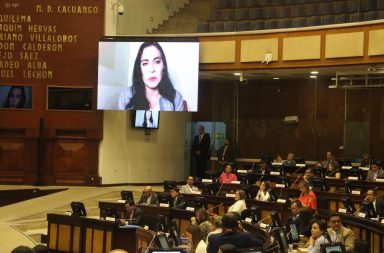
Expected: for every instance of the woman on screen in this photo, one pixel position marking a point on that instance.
(16, 98)
(148, 120)
(151, 86)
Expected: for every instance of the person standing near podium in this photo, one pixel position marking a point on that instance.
(201, 151)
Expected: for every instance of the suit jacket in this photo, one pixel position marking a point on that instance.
(380, 206)
(203, 146)
(137, 217)
(347, 238)
(239, 239)
(228, 156)
(266, 172)
(154, 199)
(370, 174)
(181, 202)
(188, 189)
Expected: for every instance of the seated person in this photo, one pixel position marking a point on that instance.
(189, 188)
(338, 233)
(149, 197)
(263, 168)
(290, 162)
(317, 238)
(318, 169)
(194, 237)
(375, 171)
(240, 204)
(378, 204)
(201, 215)
(308, 176)
(225, 154)
(332, 171)
(227, 176)
(216, 225)
(177, 200)
(263, 194)
(330, 158)
(232, 236)
(366, 161)
(133, 215)
(307, 197)
(301, 217)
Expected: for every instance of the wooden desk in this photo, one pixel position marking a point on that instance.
(80, 234)
(366, 229)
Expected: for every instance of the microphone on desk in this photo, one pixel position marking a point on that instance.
(295, 171)
(358, 210)
(264, 218)
(209, 209)
(150, 243)
(259, 180)
(222, 183)
(181, 204)
(294, 182)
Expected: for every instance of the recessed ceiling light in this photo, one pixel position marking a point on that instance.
(237, 74)
(276, 78)
(314, 72)
(314, 77)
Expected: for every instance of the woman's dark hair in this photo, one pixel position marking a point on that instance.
(267, 185)
(242, 194)
(202, 215)
(145, 118)
(23, 97)
(321, 223)
(194, 230)
(139, 100)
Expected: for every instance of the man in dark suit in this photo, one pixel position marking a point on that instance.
(133, 215)
(225, 154)
(149, 197)
(301, 218)
(177, 200)
(263, 168)
(201, 151)
(231, 236)
(378, 203)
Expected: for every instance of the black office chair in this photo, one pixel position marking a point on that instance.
(164, 197)
(362, 246)
(199, 202)
(168, 185)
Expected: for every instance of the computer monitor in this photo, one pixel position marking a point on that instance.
(127, 195)
(334, 247)
(162, 241)
(293, 233)
(283, 180)
(208, 189)
(108, 212)
(349, 205)
(369, 209)
(164, 197)
(174, 233)
(319, 184)
(281, 239)
(344, 162)
(319, 172)
(252, 213)
(78, 209)
(199, 202)
(276, 222)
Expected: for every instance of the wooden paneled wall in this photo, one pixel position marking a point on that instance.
(263, 104)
